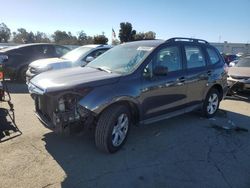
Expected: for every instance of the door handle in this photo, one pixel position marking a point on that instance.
(209, 73)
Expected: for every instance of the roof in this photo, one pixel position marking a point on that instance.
(97, 45)
(25, 45)
(149, 43)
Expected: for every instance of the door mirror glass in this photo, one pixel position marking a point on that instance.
(160, 71)
(89, 59)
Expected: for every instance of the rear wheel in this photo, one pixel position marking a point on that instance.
(211, 103)
(112, 128)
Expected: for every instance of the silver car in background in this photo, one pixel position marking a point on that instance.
(80, 56)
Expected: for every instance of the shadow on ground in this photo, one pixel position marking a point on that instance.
(8, 128)
(241, 96)
(186, 151)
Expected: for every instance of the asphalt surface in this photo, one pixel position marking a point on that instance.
(185, 151)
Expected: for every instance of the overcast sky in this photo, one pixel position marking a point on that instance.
(213, 20)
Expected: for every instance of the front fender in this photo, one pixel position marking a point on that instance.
(102, 97)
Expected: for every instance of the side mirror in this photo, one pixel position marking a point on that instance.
(89, 58)
(160, 71)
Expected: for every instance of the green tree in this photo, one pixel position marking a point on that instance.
(4, 33)
(22, 36)
(100, 39)
(60, 37)
(139, 36)
(41, 37)
(150, 35)
(82, 38)
(126, 32)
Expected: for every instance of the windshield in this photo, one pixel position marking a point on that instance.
(75, 54)
(122, 59)
(243, 63)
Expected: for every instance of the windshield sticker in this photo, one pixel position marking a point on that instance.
(145, 48)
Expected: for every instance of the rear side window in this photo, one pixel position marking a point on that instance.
(194, 57)
(213, 56)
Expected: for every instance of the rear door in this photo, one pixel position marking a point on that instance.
(165, 93)
(197, 73)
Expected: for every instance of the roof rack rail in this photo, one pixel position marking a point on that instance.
(186, 39)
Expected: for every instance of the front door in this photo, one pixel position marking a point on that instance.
(167, 92)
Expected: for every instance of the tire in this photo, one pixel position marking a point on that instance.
(107, 132)
(22, 75)
(211, 103)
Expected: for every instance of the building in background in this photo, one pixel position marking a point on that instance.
(232, 48)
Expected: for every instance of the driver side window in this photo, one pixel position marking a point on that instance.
(168, 57)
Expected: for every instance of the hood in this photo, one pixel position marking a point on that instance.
(70, 78)
(239, 71)
(50, 63)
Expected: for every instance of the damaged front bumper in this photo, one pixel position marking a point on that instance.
(238, 84)
(58, 121)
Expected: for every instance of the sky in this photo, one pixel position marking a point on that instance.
(212, 20)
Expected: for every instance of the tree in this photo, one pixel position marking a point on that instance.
(150, 35)
(41, 37)
(100, 39)
(22, 36)
(82, 38)
(60, 37)
(4, 33)
(126, 32)
(139, 36)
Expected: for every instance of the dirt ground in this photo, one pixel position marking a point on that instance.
(185, 151)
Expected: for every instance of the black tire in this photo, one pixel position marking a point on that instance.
(22, 75)
(205, 110)
(105, 125)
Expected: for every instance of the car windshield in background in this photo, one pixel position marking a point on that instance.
(243, 63)
(122, 59)
(75, 54)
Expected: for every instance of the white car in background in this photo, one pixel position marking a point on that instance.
(80, 56)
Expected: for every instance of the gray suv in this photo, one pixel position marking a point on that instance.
(133, 83)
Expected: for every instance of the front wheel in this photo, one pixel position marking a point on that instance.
(211, 103)
(112, 128)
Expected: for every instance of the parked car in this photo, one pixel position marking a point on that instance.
(77, 57)
(21, 56)
(239, 75)
(138, 82)
(230, 57)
